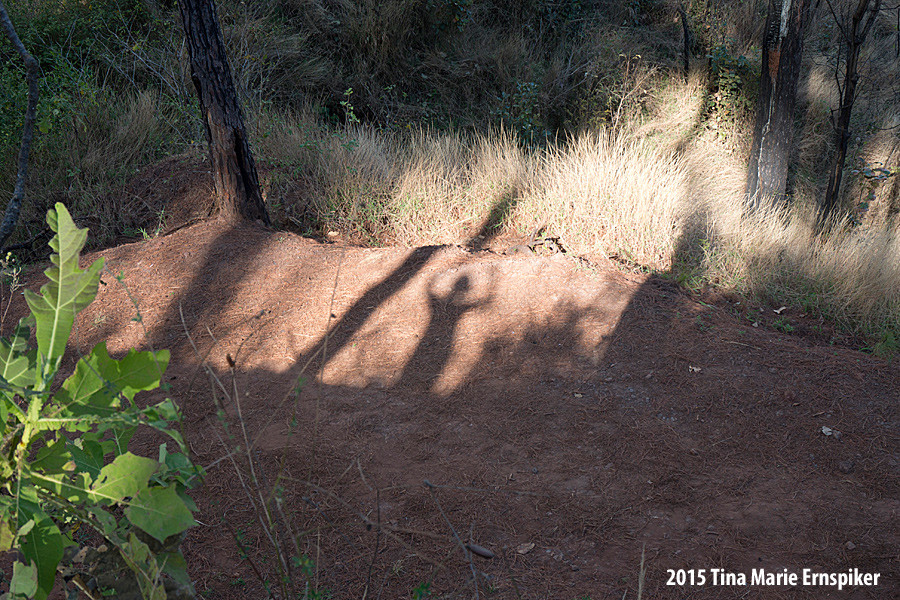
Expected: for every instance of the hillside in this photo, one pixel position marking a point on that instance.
(567, 416)
(514, 332)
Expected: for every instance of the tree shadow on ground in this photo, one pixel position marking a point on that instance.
(581, 417)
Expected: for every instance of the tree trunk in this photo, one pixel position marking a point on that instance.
(687, 41)
(11, 218)
(237, 184)
(774, 128)
(854, 38)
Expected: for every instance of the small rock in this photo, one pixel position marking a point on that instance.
(850, 545)
(846, 466)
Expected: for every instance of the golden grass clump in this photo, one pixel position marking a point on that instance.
(656, 192)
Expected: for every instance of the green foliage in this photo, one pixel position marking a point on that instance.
(733, 86)
(783, 325)
(520, 110)
(64, 456)
(349, 114)
(99, 117)
(445, 15)
(887, 345)
(422, 591)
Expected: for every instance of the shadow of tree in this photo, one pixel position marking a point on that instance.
(596, 414)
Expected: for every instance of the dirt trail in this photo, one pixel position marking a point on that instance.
(569, 416)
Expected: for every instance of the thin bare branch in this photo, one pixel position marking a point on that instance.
(11, 218)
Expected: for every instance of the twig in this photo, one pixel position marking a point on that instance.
(459, 541)
(377, 541)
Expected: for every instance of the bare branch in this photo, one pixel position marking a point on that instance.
(31, 75)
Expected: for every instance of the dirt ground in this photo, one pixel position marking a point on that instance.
(567, 416)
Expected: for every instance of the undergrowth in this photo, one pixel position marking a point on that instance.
(411, 121)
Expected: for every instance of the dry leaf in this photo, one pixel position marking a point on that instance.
(525, 548)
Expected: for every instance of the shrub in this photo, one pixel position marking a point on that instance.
(64, 459)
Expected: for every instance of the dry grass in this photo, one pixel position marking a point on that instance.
(657, 193)
(86, 163)
(647, 180)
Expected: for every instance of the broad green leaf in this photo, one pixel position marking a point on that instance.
(160, 512)
(126, 476)
(51, 457)
(16, 362)
(174, 565)
(5, 405)
(24, 583)
(7, 535)
(121, 438)
(54, 469)
(7, 530)
(42, 545)
(88, 456)
(99, 381)
(69, 290)
(72, 488)
(142, 562)
(136, 372)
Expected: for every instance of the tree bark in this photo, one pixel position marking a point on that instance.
(11, 218)
(854, 37)
(234, 173)
(686, 55)
(773, 131)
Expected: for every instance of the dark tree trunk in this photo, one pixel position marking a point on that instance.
(854, 37)
(237, 184)
(686, 28)
(774, 128)
(11, 218)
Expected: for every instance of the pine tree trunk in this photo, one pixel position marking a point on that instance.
(234, 173)
(774, 128)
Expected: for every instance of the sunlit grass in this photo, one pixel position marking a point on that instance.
(657, 193)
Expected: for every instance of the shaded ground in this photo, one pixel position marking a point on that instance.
(567, 416)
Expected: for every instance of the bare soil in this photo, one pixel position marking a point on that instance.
(566, 416)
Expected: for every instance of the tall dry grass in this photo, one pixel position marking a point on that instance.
(646, 180)
(658, 192)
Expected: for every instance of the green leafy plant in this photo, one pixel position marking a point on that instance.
(783, 325)
(731, 93)
(64, 459)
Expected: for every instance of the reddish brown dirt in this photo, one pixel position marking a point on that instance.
(567, 417)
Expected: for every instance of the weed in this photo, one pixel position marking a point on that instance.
(887, 344)
(703, 325)
(422, 591)
(55, 483)
(783, 325)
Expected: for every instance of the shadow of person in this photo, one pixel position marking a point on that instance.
(435, 348)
